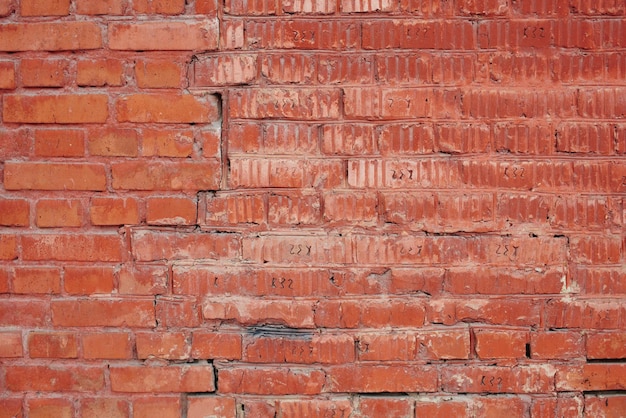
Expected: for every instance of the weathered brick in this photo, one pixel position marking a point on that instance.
(44, 36)
(62, 109)
(164, 36)
(174, 378)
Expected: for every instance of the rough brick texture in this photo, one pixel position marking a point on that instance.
(312, 208)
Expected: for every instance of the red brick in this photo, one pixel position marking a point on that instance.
(102, 7)
(354, 6)
(62, 109)
(315, 408)
(381, 378)
(59, 213)
(164, 345)
(106, 407)
(378, 407)
(158, 74)
(168, 143)
(297, 249)
(50, 407)
(167, 108)
(500, 311)
(234, 208)
(282, 103)
(302, 34)
(171, 211)
(114, 211)
(52, 345)
(143, 175)
(216, 345)
(11, 344)
(44, 73)
(24, 313)
(585, 313)
(569, 407)
(271, 380)
(596, 249)
(88, 280)
(606, 345)
(324, 349)
(63, 247)
(178, 311)
(498, 379)
(6, 7)
(376, 103)
(498, 407)
(297, 314)
(103, 313)
(49, 8)
(294, 209)
(15, 143)
(415, 34)
(11, 407)
(143, 280)
(200, 407)
(591, 377)
(164, 36)
(59, 143)
(165, 407)
(221, 70)
(66, 36)
(100, 72)
(111, 142)
(166, 7)
(8, 247)
(348, 139)
(441, 407)
(556, 345)
(5, 277)
(605, 406)
(174, 378)
(37, 280)
(206, 7)
(107, 345)
(491, 343)
(483, 7)
(55, 378)
(14, 212)
(350, 207)
(152, 245)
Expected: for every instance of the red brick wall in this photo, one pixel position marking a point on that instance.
(312, 208)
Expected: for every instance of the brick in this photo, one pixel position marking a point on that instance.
(103, 313)
(206, 7)
(174, 378)
(51, 8)
(166, 407)
(600, 281)
(7, 75)
(376, 103)
(282, 103)
(168, 143)
(500, 311)
(297, 314)
(143, 175)
(6, 7)
(199, 407)
(235, 208)
(11, 344)
(8, 247)
(298, 250)
(164, 36)
(290, 138)
(108, 211)
(410, 34)
(348, 140)
(605, 406)
(55, 378)
(596, 249)
(437, 407)
(315, 407)
(606, 345)
(302, 34)
(294, 209)
(216, 345)
(504, 281)
(44, 73)
(562, 406)
(350, 207)
(483, 7)
(591, 377)
(286, 173)
(498, 379)
(167, 108)
(291, 68)
(158, 74)
(109, 407)
(54, 176)
(491, 343)
(556, 345)
(52, 345)
(143, 280)
(63, 247)
(171, 211)
(585, 313)
(107, 345)
(376, 407)
(14, 212)
(12, 407)
(24, 313)
(44, 36)
(50, 407)
(163, 345)
(153, 246)
(112, 142)
(100, 72)
(271, 380)
(323, 349)
(59, 143)
(43, 280)
(103, 7)
(222, 70)
(88, 280)
(58, 213)
(381, 378)
(510, 103)
(166, 7)
(178, 311)
(61, 109)
(604, 102)
(584, 138)
(353, 6)
(5, 278)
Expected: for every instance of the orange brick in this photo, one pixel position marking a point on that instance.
(107, 345)
(50, 407)
(7, 75)
(88, 280)
(59, 213)
(37, 280)
(14, 212)
(173, 378)
(45, 8)
(59, 143)
(158, 74)
(171, 211)
(166, 7)
(167, 143)
(102, 7)
(11, 344)
(104, 407)
(98, 73)
(163, 407)
(80, 108)
(52, 345)
(44, 73)
(199, 407)
(167, 108)
(113, 142)
(114, 211)
(163, 36)
(66, 36)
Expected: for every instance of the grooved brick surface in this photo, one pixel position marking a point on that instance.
(312, 208)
